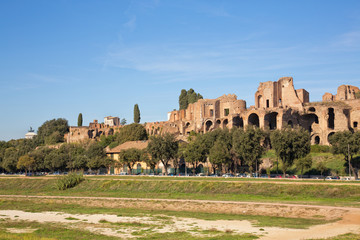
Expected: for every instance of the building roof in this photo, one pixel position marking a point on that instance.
(128, 145)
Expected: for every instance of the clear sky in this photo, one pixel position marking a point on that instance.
(60, 58)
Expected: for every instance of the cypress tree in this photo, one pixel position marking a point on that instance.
(136, 114)
(80, 120)
(183, 101)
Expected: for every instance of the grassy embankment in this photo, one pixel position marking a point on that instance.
(326, 194)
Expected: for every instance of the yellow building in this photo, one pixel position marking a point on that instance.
(138, 167)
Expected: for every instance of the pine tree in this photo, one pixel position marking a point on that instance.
(136, 114)
(183, 101)
(80, 120)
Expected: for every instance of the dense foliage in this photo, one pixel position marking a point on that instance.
(347, 144)
(290, 144)
(52, 131)
(187, 97)
(136, 114)
(80, 120)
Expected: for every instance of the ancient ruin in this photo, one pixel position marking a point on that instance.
(276, 104)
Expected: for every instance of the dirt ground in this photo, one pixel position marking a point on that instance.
(350, 217)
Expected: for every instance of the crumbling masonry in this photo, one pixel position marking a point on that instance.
(276, 104)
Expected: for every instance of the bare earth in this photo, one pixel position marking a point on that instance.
(350, 217)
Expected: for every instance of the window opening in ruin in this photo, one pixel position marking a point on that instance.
(238, 122)
(280, 101)
(271, 120)
(225, 123)
(187, 124)
(355, 124)
(226, 111)
(317, 140)
(331, 118)
(218, 122)
(312, 109)
(208, 125)
(267, 103)
(211, 112)
(254, 120)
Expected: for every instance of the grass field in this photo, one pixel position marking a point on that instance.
(168, 220)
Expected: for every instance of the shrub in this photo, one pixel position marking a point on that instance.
(69, 181)
(320, 149)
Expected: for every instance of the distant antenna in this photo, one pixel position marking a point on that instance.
(31, 130)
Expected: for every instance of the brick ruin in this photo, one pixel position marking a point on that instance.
(276, 104)
(93, 132)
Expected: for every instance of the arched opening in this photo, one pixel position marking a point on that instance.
(331, 118)
(317, 140)
(330, 134)
(309, 120)
(355, 124)
(187, 124)
(225, 123)
(267, 103)
(208, 125)
(238, 122)
(312, 109)
(218, 122)
(271, 120)
(253, 120)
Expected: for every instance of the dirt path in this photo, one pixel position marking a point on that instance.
(349, 223)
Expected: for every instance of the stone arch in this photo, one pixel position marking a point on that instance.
(238, 122)
(208, 124)
(218, 122)
(317, 140)
(271, 120)
(225, 123)
(253, 120)
(187, 124)
(329, 135)
(331, 118)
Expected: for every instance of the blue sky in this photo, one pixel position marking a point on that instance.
(60, 58)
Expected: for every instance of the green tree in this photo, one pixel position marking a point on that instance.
(219, 154)
(26, 162)
(97, 157)
(290, 144)
(163, 148)
(10, 159)
(347, 144)
(46, 131)
(136, 114)
(183, 101)
(130, 157)
(304, 163)
(321, 167)
(123, 121)
(248, 146)
(80, 120)
(131, 132)
(195, 152)
(187, 97)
